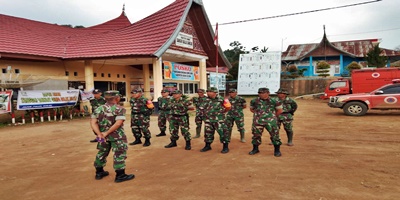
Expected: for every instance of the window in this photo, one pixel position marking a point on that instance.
(109, 75)
(102, 74)
(75, 73)
(16, 71)
(117, 75)
(4, 70)
(66, 73)
(123, 75)
(392, 89)
(337, 84)
(94, 74)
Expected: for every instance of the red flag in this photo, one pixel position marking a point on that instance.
(216, 35)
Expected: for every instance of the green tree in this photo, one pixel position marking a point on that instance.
(374, 58)
(233, 56)
(352, 66)
(323, 68)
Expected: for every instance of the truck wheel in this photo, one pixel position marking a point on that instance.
(355, 109)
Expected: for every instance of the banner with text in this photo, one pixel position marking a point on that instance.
(44, 99)
(259, 70)
(5, 101)
(218, 80)
(176, 71)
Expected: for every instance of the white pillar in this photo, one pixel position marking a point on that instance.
(146, 81)
(203, 74)
(89, 81)
(157, 77)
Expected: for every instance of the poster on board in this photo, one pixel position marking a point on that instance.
(259, 70)
(5, 101)
(217, 80)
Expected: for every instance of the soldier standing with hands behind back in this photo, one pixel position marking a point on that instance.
(265, 111)
(96, 102)
(141, 109)
(107, 121)
(286, 117)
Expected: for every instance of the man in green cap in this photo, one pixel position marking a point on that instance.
(199, 103)
(214, 115)
(107, 121)
(286, 117)
(163, 112)
(179, 118)
(265, 111)
(235, 114)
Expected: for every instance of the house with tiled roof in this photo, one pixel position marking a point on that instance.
(117, 54)
(337, 54)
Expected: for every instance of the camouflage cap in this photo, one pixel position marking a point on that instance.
(282, 91)
(162, 91)
(212, 89)
(112, 93)
(263, 90)
(232, 90)
(97, 91)
(137, 90)
(177, 92)
(201, 90)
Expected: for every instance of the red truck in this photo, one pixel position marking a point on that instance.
(386, 97)
(361, 81)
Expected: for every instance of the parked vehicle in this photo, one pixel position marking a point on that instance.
(386, 97)
(362, 80)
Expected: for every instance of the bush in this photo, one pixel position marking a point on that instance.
(323, 68)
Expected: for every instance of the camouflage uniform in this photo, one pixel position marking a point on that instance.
(214, 114)
(163, 113)
(95, 103)
(140, 118)
(103, 119)
(235, 114)
(286, 117)
(179, 118)
(199, 103)
(265, 111)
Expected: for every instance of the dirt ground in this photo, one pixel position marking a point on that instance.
(334, 157)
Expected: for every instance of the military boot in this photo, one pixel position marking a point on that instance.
(121, 176)
(242, 137)
(277, 152)
(290, 138)
(198, 131)
(161, 134)
(225, 148)
(137, 141)
(206, 148)
(147, 142)
(255, 150)
(100, 173)
(172, 144)
(188, 145)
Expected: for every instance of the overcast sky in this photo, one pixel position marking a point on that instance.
(378, 20)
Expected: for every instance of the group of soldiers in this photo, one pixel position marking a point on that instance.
(217, 114)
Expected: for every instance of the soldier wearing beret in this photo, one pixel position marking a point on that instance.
(141, 109)
(286, 117)
(107, 121)
(214, 115)
(235, 114)
(163, 112)
(199, 103)
(265, 111)
(179, 118)
(95, 102)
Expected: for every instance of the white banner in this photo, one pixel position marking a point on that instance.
(44, 99)
(86, 96)
(259, 70)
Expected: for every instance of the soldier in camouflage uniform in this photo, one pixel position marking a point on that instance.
(235, 114)
(286, 117)
(163, 112)
(214, 115)
(199, 104)
(179, 117)
(141, 109)
(107, 121)
(97, 101)
(265, 111)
